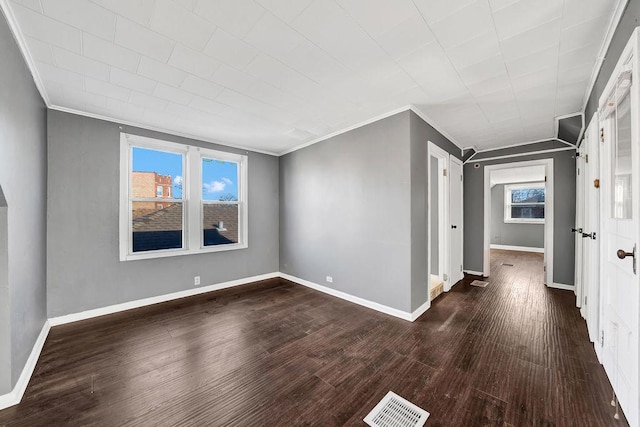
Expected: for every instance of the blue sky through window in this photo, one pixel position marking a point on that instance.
(219, 178)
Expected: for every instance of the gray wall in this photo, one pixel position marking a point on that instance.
(564, 167)
(23, 170)
(84, 271)
(630, 20)
(345, 212)
(421, 134)
(528, 235)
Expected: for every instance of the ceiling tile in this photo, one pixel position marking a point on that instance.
(230, 49)
(437, 10)
(39, 50)
(106, 89)
(234, 16)
(286, 10)
(109, 53)
(147, 101)
(132, 81)
(499, 4)
(139, 10)
(180, 24)
(83, 15)
(538, 39)
(47, 30)
(197, 86)
(583, 34)
(378, 16)
(80, 64)
(172, 94)
(475, 50)
(583, 56)
(467, 24)
(31, 4)
(533, 62)
(525, 15)
(406, 37)
(585, 10)
(193, 62)
(142, 40)
(545, 76)
(485, 70)
(58, 75)
(160, 72)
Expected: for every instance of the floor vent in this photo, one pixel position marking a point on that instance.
(394, 411)
(479, 283)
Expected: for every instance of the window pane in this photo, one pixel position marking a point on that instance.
(156, 226)
(527, 195)
(621, 194)
(156, 174)
(524, 211)
(220, 224)
(219, 180)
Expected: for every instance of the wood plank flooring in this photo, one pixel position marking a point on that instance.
(278, 354)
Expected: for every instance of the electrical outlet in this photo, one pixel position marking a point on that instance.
(196, 280)
(329, 279)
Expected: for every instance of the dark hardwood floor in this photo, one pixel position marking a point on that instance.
(278, 354)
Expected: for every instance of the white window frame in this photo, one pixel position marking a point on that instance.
(508, 188)
(192, 230)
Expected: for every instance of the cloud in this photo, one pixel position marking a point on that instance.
(177, 180)
(227, 181)
(214, 186)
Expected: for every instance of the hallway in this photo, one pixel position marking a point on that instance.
(275, 353)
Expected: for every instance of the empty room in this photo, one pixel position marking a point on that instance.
(319, 212)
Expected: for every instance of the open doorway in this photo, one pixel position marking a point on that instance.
(438, 160)
(518, 214)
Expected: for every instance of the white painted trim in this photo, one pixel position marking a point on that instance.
(518, 144)
(420, 311)
(475, 273)
(15, 396)
(517, 248)
(116, 308)
(549, 212)
(351, 298)
(611, 29)
(413, 108)
(156, 129)
(556, 127)
(562, 286)
(17, 35)
(528, 153)
(443, 214)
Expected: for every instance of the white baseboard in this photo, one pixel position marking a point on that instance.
(15, 396)
(561, 286)
(517, 248)
(475, 273)
(88, 314)
(348, 297)
(420, 310)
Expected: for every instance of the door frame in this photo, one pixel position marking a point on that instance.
(548, 209)
(443, 213)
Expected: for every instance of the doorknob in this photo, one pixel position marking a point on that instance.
(578, 230)
(454, 226)
(622, 255)
(590, 235)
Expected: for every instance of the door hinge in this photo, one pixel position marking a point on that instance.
(445, 277)
(601, 338)
(545, 268)
(578, 171)
(545, 178)
(460, 267)
(601, 134)
(586, 158)
(444, 172)
(585, 300)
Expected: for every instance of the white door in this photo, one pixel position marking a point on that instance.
(620, 293)
(456, 219)
(591, 256)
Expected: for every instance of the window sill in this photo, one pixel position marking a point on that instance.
(178, 252)
(524, 221)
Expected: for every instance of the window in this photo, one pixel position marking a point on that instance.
(178, 199)
(524, 203)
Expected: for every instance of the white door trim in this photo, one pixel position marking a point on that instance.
(443, 206)
(549, 214)
(459, 274)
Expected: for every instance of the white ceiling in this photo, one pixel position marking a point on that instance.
(516, 175)
(275, 74)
